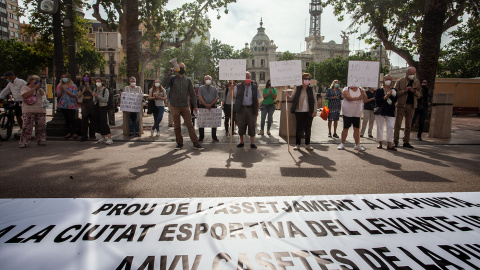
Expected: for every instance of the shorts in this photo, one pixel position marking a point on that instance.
(348, 121)
(18, 108)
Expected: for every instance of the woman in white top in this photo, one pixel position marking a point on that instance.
(353, 98)
(158, 94)
(133, 117)
(100, 99)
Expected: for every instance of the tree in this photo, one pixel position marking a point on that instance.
(22, 59)
(225, 51)
(408, 27)
(132, 39)
(336, 69)
(287, 56)
(462, 55)
(89, 60)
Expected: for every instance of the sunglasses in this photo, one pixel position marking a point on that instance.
(307, 79)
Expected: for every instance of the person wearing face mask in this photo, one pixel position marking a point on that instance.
(385, 99)
(334, 97)
(158, 94)
(100, 98)
(207, 98)
(14, 86)
(268, 107)
(421, 110)
(67, 93)
(304, 106)
(86, 90)
(33, 114)
(181, 96)
(133, 117)
(368, 116)
(246, 106)
(196, 86)
(408, 91)
(353, 98)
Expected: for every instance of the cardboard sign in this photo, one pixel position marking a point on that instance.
(378, 231)
(363, 73)
(209, 118)
(285, 73)
(131, 102)
(232, 69)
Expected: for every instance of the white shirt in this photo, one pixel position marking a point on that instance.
(352, 108)
(15, 88)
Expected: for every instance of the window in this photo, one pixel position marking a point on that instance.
(11, 24)
(16, 26)
(263, 48)
(15, 17)
(262, 76)
(100, 29)
(10, 6)
(17, 35)
(253, 62)
(10, 15)
(12, 34)
(253, 76)
(262, 62)
(307, 64)
(90, 30)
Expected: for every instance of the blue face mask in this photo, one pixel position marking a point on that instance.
(65, 80)
(336, 85)
(9, 80)
(196, 85)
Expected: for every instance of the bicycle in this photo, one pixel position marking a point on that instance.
(7, 119)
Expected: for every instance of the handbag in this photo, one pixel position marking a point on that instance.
(30, 100)
(44, 101)
(325, 111)
(378, 110)
(152, 108)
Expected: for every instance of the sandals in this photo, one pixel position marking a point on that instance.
(335, 135)
(379, 147)
(329, 135)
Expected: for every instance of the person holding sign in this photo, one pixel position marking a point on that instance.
(133, 117)
(181, 96)
(246, 105)
(385, 99)
(158, 94)
(408, 91)
(208, 97)
(268, 107)
(304, 106)
(353, 98)
(227, 106)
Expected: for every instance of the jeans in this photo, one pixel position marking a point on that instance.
(134, 126)
(270, 109)
(158, 118)
(422, 115)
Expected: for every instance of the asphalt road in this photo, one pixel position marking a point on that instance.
(67, 169)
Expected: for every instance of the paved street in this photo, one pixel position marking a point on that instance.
(149, 166)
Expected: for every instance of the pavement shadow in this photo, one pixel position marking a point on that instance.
(375, 160)
(313, 158)
(154, 164)
(419, 176)
(465, 164)
(246, 156)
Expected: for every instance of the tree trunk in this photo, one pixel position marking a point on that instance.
(133, 40)
(434, 20)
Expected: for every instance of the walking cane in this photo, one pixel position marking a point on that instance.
(231, 119)
(286, 114)
(360, 125)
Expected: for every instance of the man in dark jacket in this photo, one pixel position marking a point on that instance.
(246, 106)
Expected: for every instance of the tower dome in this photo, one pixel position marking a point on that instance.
(260, 41)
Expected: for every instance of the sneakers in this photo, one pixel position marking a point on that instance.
(41, 143)
(308, 147)
(268, 133)
(109, 141)
(215, 140)
(152, 132)
(23, 145)
(158, 133)
(407, 145)
(240, 145)
(179, 146)
(361, 135)
(261, 133)
(335, 135)
(137, 135)
(296, 148)
(253, 146)
(361, 148)
(329, 135)
(370, 136)
(102, 140)
(341, 147)
(197, 147)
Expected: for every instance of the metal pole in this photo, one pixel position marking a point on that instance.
(72, 67)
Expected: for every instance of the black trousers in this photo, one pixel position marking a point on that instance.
(69, 115)
(201, 131)
(304, 123)
(227, 112)
(102, 125)
(88, 118)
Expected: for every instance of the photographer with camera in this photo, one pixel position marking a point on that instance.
(408, 91)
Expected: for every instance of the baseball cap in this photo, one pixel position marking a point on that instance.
(8, 73)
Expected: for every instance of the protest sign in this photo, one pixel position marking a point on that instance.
(363, 73)
(209, 118)
(285, 73)
(379, 231)
(131, 102)
(232, 69)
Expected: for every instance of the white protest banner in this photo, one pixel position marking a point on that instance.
(131, 102)
(363, 73)
(232, 69)
(285, 73)
(379, 231)
(209, 118)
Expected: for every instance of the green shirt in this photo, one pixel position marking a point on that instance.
(269, 99)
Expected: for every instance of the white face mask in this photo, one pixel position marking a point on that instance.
(98, 84)
(208, 82)
(157, 84)
(411, 77)
(133, 83)
(388, 82)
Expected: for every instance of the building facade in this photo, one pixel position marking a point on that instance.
(9, 21)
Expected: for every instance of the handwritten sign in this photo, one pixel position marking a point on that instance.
(131, 102)
(363, 73)
(209, 118)
(283, 73)
(232, 69)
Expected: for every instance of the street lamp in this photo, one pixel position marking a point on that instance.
(48, 6)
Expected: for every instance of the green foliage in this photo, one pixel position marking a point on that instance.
(89, 60)
(462, 55)
(336, 69)
(287, 56)
(22, 59)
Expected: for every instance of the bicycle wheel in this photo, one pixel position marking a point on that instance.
(6, 127)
